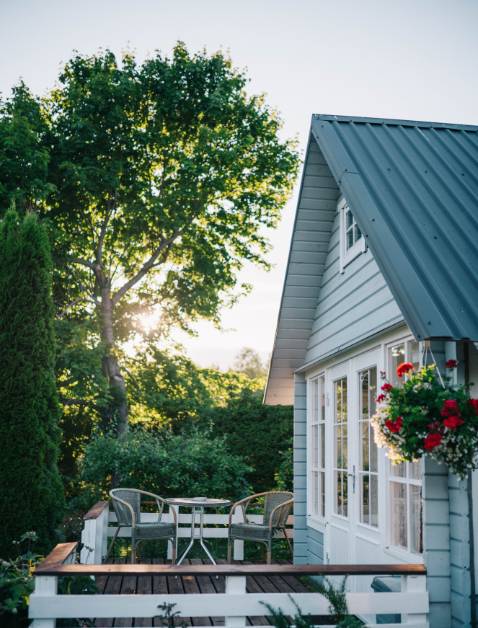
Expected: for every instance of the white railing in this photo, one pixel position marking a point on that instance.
(235, 604)
(97, 530)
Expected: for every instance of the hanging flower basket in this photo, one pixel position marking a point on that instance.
(428, 415)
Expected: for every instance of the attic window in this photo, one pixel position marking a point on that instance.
(352, 242)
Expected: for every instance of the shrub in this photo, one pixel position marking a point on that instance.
(258, 433)
(166, 464)
(31, 491)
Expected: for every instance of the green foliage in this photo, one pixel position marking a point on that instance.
(284, 476)
(167, 390)
(338, 609)
(258, 433)
(16, 579)
(31, 492)
(338, 603)
(24, 152)
(167, 464)
(280, 620)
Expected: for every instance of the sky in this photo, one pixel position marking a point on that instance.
(408, 59)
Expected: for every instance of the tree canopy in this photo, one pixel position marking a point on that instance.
(159, 181)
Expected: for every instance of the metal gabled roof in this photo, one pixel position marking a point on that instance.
(413, 188)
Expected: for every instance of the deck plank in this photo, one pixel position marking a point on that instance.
(206, 585)
(203, 583)
(144, 585)
(191, 585)
(160, 586)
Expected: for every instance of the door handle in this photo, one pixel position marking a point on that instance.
(352, 475)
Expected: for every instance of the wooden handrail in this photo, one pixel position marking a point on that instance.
(57, 556)
(57, 568)
(95, 511)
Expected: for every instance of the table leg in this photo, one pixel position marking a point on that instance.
(191, 542)
(201, 537)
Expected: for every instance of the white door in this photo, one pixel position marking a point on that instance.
(352, 503)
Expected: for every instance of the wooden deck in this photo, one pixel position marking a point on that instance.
(128, 584)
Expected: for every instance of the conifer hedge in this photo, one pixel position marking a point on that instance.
(31, 490)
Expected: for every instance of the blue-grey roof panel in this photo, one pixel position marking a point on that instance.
(413, 187)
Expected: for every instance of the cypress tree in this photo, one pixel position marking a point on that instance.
(31, 490)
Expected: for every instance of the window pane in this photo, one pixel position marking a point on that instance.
(397, 356)
(399, 513)
(358, 233)
(415, 470)
(373, 453)
(315, 492)
(398, 470)
(373, 489)
(372, 390)
(365, 499)
(322, 494)
(322, 446)
(322, 399)
(315, 450)
(349, 219)
(364, 462)
(345, 494)
(365, 396)
(414, 353)
(415, 518)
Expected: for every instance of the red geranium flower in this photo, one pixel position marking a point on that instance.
(387, 387)
(474, 404)
(380, 398)
(451, 364)
(432, 440)
(452, 422)
(394, 426)
(403, 368)
(450, 407)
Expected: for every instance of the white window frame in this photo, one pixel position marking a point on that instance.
(316, 480)
(407, 480)
(347, 255)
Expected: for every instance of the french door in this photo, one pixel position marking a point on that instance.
(353, 491)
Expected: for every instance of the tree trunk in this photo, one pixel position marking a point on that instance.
(111, 368)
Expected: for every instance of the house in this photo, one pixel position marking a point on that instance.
(383, 268)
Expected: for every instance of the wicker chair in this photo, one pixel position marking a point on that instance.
(277, 507)
(127, 507)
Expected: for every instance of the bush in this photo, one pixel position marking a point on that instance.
(31, 491)
(260, 434)
(166, 464)
(16, 582)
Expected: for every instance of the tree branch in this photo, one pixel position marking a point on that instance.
(164, 245)
(82, 262)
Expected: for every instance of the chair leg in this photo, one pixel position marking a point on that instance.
(112, 543)
(174, 542)
(230, 543)
(133, 550)
(289, 544)
(269, 552)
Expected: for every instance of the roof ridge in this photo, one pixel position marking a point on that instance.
(394, 121)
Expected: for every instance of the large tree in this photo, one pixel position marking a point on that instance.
(167, 175)
(31, 491)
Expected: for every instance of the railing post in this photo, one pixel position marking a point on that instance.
(88, 540)
(101, 544)
(235, 585)
(45, 586)
(414, 584)
(238, 550)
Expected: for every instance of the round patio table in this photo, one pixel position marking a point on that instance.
(198, 506)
